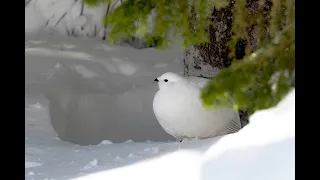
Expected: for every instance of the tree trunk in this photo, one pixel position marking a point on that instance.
(207, 59)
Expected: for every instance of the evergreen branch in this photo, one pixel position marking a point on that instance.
(231, 86)
(275, 23)
(261, 25)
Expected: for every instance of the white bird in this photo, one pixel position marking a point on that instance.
(178, 107)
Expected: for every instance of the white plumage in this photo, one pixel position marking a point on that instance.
(179, 110)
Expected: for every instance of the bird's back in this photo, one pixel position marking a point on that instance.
(200, 82)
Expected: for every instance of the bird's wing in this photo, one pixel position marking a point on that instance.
(201, 82)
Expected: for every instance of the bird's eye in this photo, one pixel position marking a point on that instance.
(165, 80)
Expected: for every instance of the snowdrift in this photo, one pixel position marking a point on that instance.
(264, 150)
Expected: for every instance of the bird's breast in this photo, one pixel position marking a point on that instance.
(171, 101)
(175, 106)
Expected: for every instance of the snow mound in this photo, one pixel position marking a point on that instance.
(264, 150)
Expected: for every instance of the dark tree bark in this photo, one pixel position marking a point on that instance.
(215, 53)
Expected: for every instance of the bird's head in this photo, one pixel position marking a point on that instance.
(167, 78)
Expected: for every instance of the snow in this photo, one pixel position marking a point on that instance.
(105, 142)
(137, 147)
(68, 18)
(71, 18)
(47, 156)
(62, 16)
(261, 155)
(264, 149)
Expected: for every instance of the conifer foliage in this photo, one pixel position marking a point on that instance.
(264, 76)
(258, 81)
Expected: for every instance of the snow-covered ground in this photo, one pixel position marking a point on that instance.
(116, 82)
(126, 74)
(113, 85)
(67, 17)
(262, 150)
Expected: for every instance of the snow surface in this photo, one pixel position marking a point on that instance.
(63, 17)
(252, 153)
(128, 75)
(72, 18)
(115, 85)
(264, 149)
(68, 18)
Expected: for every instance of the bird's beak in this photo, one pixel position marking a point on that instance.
(156, 80)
